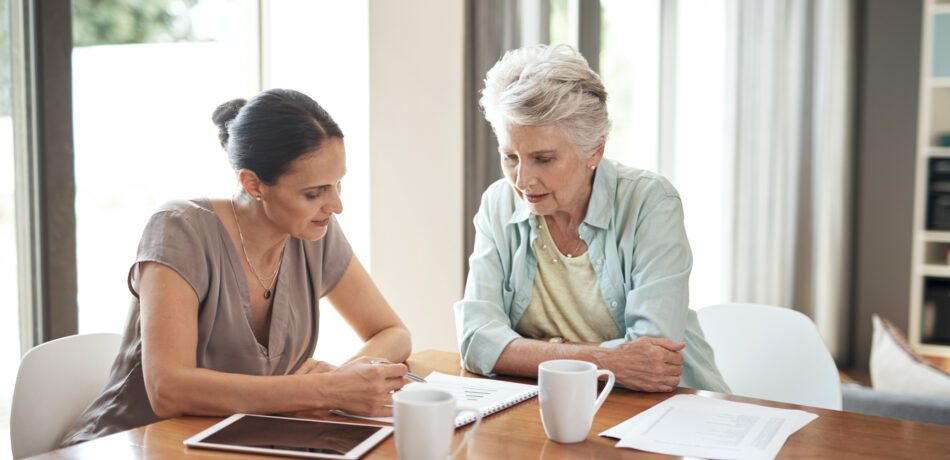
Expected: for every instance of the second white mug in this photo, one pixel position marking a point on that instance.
(568, 397)
(424, 424)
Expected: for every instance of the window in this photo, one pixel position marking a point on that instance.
(145, 82)
(135, 111)
(631, 66)
(564, 21)
(630, 56)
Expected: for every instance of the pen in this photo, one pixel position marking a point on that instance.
(414, 377)
(409, 375)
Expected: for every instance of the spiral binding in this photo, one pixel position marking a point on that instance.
(528, 394)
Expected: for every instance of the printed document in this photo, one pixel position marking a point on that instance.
(695, 426)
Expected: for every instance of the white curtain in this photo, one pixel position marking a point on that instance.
(790, 185)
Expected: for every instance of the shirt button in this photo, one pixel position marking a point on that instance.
(613, 304)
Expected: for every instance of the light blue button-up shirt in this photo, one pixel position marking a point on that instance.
(637, 245)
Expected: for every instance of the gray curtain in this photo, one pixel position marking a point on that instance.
(791, 159)
(493, 27)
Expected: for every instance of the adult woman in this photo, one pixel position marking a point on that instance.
(226, 292)
(575, 256)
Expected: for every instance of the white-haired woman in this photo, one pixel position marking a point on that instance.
(575, 256)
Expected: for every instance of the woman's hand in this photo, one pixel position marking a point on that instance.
(312, 366)
(364, 386)
(646, 364)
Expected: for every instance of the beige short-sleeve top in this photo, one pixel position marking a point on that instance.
(188, 237)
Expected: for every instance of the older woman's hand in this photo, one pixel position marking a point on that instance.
(646, 364)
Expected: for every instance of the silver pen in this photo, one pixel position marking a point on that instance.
(414, 377)
(408, 375)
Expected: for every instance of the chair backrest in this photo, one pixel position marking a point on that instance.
(56, 381)
(771, 353)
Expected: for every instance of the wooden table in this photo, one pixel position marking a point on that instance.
(517, 433)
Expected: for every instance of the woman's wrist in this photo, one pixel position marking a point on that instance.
(318, 390)
(600, 356)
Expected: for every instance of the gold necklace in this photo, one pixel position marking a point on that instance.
(268, 288)
(577, 248)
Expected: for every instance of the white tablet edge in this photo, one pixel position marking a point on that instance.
(354, 454)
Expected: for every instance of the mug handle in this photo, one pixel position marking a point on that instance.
(606, 391)
(468, 436)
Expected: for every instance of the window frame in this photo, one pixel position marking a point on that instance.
(44, 190)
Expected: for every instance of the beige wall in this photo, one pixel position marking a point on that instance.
(416, 232)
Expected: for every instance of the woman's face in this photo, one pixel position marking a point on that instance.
(546, 170)
(304, 197)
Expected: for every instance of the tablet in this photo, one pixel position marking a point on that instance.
(294, 437)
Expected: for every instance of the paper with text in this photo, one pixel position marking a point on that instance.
(690, 425)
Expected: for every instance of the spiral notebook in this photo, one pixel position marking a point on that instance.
(488, 395)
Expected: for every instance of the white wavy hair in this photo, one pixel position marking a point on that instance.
(541, 85)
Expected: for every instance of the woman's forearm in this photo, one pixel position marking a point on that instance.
(522, 356)
(205, 392)
(646, 364)
(393, 343)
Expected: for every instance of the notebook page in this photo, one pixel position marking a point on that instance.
(489, 396)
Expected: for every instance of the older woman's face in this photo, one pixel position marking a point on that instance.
(546, 169)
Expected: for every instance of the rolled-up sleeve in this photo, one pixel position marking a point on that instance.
(481, 318)
(658, 304)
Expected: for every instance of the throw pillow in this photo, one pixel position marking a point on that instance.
(896, 368)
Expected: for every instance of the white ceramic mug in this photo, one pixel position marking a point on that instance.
(568, 397)
(425, 421)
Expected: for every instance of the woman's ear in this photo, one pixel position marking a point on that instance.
(250, 183)
(597, 156)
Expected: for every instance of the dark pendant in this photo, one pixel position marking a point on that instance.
(267, 293)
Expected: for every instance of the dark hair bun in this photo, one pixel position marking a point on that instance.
(271, 130)
(223, 115)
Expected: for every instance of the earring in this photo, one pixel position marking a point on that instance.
(258, 198)
(593, 167)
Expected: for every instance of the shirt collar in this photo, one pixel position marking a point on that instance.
(521, 209)
(601, 202)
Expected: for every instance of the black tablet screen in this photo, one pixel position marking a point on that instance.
(289, 434)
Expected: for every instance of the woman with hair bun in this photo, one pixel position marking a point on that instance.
(226, 292)
(575, 256)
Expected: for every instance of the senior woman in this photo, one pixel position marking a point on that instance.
(575, 256)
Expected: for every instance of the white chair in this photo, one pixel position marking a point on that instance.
(57, 380)
(771, 353)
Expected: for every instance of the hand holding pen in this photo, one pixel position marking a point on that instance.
(409, 375)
